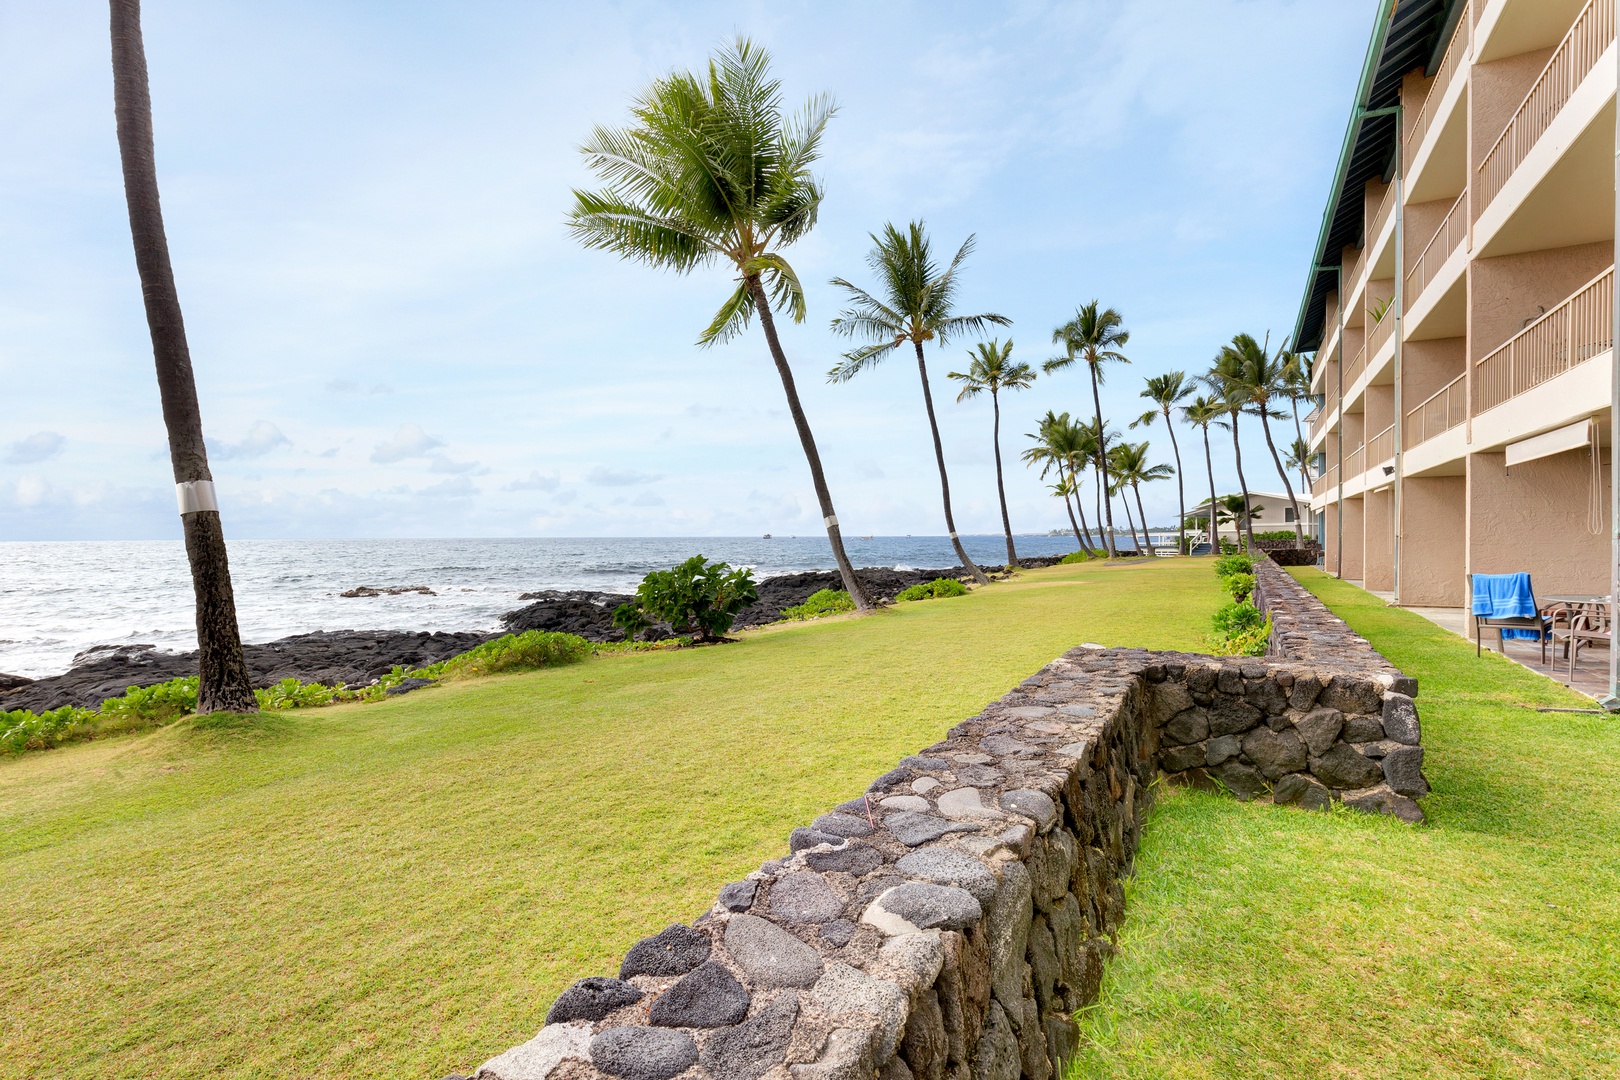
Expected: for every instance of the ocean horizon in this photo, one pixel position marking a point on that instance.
(59, 598)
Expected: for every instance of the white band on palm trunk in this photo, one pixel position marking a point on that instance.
(953, 535)
(831, 521)
(195, 496)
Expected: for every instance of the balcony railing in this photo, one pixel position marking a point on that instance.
(1447, 408)
(1357, 366)
(1379, 332)
(1570, 63)
(1446, 239)
(1326, 482)
(1380, 216)
(1442, 79)
(1570, 334)
(1381, 447)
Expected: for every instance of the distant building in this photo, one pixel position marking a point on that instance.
(1272, 513)
(1459, 302)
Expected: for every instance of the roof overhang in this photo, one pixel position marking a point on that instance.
(1408, 34)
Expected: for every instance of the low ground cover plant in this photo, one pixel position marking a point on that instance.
(528, 651)
(1075, 557)
(819, 603)
(929, 590)
(697, 597)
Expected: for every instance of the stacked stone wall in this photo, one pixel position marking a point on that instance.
(949, 922)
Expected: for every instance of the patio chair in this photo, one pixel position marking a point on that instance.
(1507, 604)
(1589, 627)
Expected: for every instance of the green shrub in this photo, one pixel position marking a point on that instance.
(515, 652)
(289, 693)
(1234, 562)
(1241, 586)
(697, 597)
(632, 620)
(819, 603)
(157, 704)
(1277, 534)
(1236, 618)
(1075, 557)
(23, 730)
(929, 590)
(1241, 630)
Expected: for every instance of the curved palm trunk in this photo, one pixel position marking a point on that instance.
(1136, 489)
(1299, 434)
(1101, 540)
(1181, 489)
(945, 481)
(1001, 489)
(834, 537)
(1131, 525)
(1079, 504)
(1069, 507)
(1299, 522)
(1243, 485)
(222, 684)
(1102, 461)
(1209, 466)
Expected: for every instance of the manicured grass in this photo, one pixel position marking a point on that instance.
(1266, 941)
(398, 890)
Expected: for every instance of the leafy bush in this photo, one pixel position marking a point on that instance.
(929, 590)
(289, 693)
(819, 603)
(1237, 618)
(1234, 563)
(1277, 534)
(1075, 557)
(1241, 586)
(1241, 630)
(23, 730)
(514, 652)
(156, 704)
(697, 597)
(632, 620)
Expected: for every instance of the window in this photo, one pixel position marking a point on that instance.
(1288, 513)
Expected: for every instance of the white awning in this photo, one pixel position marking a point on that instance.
(1574, 436)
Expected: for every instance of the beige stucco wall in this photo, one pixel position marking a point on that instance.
(1378, 569)
(1426, 366)
(1535, 519)
(1496, 91)
(1352, 539)
(1506, 291)
(1433, 510)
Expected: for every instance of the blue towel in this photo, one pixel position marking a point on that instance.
(1506, 596)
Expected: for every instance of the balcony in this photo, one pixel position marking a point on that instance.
(1570, 62)
(1357, 366)
(1442, 79)
(1447, 408)
(1570, 334)
(1381, 331)
(1381, 447)
(1354, 462)
(1445, 241)
(1380, 218)
(1326, 482)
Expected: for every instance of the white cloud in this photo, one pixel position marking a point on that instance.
(31, 491)
(443, 464)
(647, 498)
(456, 487)
(40, 446)
(607, 477)
(408, 442)
(261, 438)
(535, 481)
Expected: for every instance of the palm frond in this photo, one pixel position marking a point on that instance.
(732, 317)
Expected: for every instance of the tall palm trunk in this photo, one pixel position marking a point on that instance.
(1243, 485)
(1102, 461)
(1102, 539)
(1069, 507)
(1209, 466)
(1136, 489)
(1079, 504)
(1299, 434)
(944, 480)
(834, 536)
(1001, 489)
(1131, 525)
(1265, 425)
(1181, 489)
(222, 684)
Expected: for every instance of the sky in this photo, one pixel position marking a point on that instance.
(395, 335)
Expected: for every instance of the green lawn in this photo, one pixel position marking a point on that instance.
(397, 890)
(1264, 941)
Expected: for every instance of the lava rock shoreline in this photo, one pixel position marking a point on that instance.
(358, 657)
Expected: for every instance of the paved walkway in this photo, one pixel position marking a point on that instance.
(1591, 670)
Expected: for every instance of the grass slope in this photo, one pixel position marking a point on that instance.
(1265, 941)
(399, 889)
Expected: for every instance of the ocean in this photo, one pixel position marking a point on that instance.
(58, 599)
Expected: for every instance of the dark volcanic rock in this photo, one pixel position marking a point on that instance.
(11, 682)
(592, 999)
(352, 657)
(676, 951)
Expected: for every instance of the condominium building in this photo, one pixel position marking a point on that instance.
(1460, 302)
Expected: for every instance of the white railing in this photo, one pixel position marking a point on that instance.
(1381, 447)
(1444, 410)
(1357, 366)
(1570, 334)
(1379, 331)
(1442, 79)
(1326, 482)
(1446, 239)
(1353, 462)
(1381, 215)
(1570, 62)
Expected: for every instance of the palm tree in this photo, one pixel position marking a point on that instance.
(1129, 461)
(222, 683)
(1261, 376)
(1299, 457)
(1226, 380)
(1061, 443)
(991, 368)
(1239, 509)
(710, 171)
(1297, 374)
(1095, 337)
(1168, 391)
(1200, 413)
(1092, 446)
(917, 306)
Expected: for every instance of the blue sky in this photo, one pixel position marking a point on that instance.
(394, 334)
